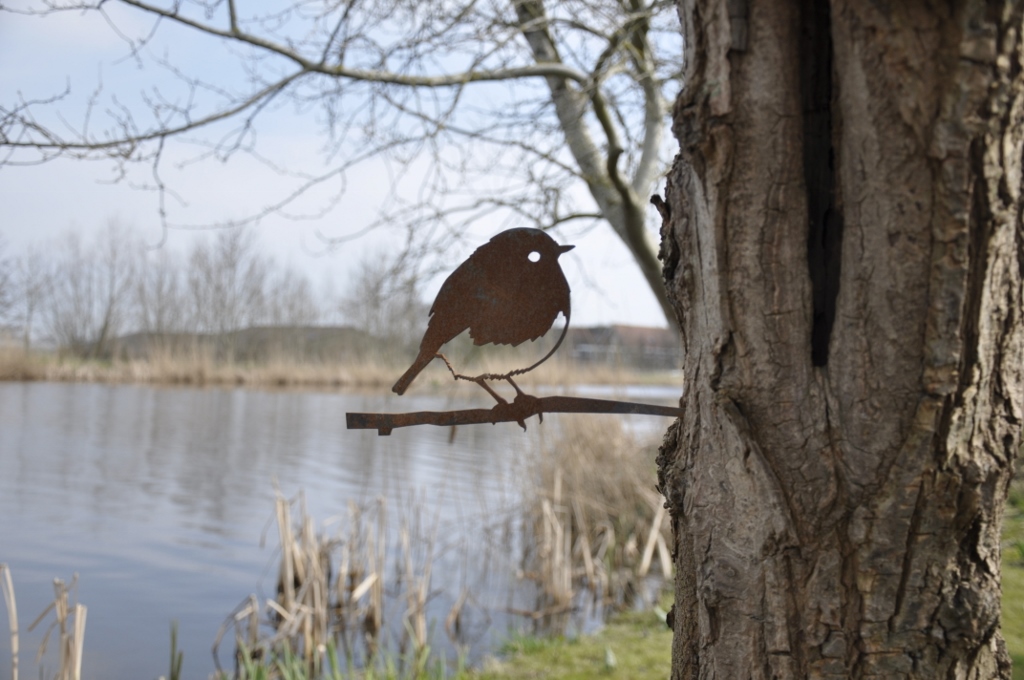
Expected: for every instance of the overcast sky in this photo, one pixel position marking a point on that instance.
(38, 204)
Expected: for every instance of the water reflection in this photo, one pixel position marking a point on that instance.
(158, 497)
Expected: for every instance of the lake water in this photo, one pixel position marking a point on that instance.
(158, 498)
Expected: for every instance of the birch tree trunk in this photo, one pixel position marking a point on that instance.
(843, 247)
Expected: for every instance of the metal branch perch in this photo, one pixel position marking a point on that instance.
(523, 407)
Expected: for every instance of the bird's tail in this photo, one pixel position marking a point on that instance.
(421, 362)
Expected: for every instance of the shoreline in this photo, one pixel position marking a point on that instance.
(200, 371)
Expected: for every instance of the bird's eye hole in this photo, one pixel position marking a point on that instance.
(533, 256)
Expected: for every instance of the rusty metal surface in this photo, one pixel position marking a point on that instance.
(510, 290)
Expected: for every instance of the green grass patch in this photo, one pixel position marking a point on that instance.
(1013, 578)
(632, 645)
(1013, 611)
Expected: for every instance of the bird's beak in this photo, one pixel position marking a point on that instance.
(564, 249)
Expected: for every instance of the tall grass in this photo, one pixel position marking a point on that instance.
(330, 596)
(595, 520)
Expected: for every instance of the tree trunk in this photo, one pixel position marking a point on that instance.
(843, 247)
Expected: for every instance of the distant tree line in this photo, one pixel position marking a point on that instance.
(86, 296)
(109, 295)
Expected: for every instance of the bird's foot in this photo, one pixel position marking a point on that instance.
(526, 399)
(521, 408)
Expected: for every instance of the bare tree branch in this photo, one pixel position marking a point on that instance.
(514, 102)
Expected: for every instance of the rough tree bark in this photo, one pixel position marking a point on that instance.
(843, 247)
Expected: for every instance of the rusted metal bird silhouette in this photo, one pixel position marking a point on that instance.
(510, 290)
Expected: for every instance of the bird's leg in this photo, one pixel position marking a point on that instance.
(513, 384)
(447, 363)
(483, 383)
(479, 380)
(523, 397)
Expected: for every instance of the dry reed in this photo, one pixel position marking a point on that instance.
(417, 551)
(69, 622)
(7, 587)
(18, 365)
(594, 525)
(200, 367)
(299, 614)
(593, 506)
(330, 594)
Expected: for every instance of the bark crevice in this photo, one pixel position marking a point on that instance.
(824, 214)
(907, 567)
(979, 232)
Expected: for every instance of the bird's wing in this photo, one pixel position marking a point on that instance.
(520, 312)
(454, 307)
